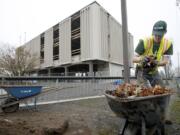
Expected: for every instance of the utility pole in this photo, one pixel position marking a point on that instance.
(178, 6)
(178, 63)
(125, 41)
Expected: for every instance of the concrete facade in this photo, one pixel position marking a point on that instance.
(88, 42)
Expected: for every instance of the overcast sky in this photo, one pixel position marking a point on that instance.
(22, 20)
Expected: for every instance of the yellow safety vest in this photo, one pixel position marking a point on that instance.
(148, 46)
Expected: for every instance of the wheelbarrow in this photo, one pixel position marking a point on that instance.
(143, 115)
(17, 94)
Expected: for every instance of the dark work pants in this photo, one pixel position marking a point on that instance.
(149, 80)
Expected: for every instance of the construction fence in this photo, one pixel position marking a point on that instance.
(59, 89)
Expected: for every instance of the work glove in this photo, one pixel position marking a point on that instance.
(154, 63)
(146, 59)
(149, 63)
(145, 62)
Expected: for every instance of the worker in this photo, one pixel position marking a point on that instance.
(151, 53)
(155, 47)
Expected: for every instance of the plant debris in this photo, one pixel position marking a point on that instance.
(126, 90)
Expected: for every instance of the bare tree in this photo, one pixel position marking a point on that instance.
(16, 61)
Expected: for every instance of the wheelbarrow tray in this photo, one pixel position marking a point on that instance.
(151, 108)
(21, 92)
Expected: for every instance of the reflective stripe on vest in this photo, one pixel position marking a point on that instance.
(148, 46)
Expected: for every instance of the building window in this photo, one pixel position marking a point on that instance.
(56, 53)
(56, 42)
(42, 40)
(75, 34)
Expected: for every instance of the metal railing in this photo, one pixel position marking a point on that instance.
(75, 31)
(68, 87)
(76, 51)
(42, 60)
(56, 57)
(63, 88)
(56, 40)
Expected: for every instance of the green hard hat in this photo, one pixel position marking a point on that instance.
(159, 28)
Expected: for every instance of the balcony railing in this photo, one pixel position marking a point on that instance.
(56, 44)
(75, 31)
(75, 36)
(41, 61)
(75, 52)
(55, 40)
(75, 17)
(55, 57)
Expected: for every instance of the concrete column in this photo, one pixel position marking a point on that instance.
(91, 73)
(49, 72)
(66, 71)
(37, 72)
(34, 72)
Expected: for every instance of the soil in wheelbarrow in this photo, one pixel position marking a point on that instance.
(85, 117)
